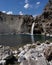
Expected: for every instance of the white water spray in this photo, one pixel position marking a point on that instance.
(32, 28)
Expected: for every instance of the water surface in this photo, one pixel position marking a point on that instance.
(22, 39)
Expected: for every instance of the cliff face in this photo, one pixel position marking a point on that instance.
(15, 23)
(44, 21)
(23, 23)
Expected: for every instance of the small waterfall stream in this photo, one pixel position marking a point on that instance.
(32, 28)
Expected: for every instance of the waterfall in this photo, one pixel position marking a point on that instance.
(32, 28)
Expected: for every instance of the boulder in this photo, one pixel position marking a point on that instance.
(48, 53)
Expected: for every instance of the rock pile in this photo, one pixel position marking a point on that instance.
(7, 55)
(33, 54)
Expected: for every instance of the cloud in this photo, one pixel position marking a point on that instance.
(26, 6)
(4, 11)
(9, 12)
(20, 13)
(38, 3)
(26, 1)
(34, 15)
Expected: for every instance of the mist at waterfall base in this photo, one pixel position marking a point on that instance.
(22, 39)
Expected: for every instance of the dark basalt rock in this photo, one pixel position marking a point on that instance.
(11, 61)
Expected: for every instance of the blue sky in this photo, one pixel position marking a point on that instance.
(30, 7)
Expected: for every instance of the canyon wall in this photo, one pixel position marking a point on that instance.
(44, 21)
(13, 24)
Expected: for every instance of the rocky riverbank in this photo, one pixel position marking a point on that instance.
(29, 54)
(36, 54)
(7, 55)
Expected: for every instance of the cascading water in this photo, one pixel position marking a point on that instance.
(32, 28)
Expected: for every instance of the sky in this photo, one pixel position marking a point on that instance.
(23, 7)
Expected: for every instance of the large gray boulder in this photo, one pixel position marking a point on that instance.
(40, 55)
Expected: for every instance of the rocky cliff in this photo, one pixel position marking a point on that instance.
(44, 21)
(15, 23)
(23, 23)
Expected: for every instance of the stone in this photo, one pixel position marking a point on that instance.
(40, 55)
(38, 43)
(48, 53)
(50, 62)
(5, 54)
(47, 42)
